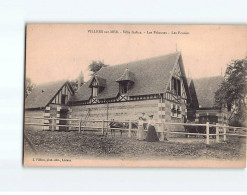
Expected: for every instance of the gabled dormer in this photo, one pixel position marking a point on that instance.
(97, 84)
(126, 81)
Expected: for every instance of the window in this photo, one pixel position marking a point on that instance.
(176, 111)
(179, 87)
(123, 88)
(64, 99)
(95, 91)
(96, 86)
(179, 112)
(94, 83)
(176, 86)
(173, 110)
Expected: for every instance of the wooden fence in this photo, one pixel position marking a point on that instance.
(103, 126)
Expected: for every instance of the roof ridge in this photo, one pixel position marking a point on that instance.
(151, 58)
(208, 77)
(51, 82)
(42, 94)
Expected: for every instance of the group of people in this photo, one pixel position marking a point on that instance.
(149, 124)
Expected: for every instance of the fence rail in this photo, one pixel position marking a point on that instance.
(81, 125)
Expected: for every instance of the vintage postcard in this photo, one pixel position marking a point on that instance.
(134, 95)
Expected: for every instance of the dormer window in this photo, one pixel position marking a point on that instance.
(125, 81)
(94, 88)
(97, 85)
(123, 87)
(95, 91)
(94, 83)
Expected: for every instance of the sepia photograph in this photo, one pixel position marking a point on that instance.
(135, 95)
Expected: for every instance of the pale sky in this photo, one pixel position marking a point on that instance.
(61, 51)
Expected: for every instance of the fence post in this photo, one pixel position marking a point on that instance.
(53, 124)
(217, 133)
(162, 136)
(234, 129)
(80, 126)
(50, 123)
(129, 134)
(224, 131)
(207, 133)
(102, 127)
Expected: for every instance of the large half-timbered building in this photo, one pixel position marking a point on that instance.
(156, 86)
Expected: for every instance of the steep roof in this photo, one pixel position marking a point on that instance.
(42, 94)
(205, 90)
(127, 76)
(189, 80)
(194, 101)
(101, 81)
(151, 77)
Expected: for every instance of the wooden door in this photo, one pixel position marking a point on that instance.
(63, 114)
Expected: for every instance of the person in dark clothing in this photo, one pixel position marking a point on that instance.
(151, 135)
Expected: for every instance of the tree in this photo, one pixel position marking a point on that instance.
(95, 66)
(74, 84)
(77, 83)
(232, 91)
(28, 86)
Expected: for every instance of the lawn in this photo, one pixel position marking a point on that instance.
(94, 145)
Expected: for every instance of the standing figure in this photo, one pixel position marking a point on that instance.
(144, 118)
(151, 135)
(140, 132)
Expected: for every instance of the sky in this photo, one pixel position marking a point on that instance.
(62, 51)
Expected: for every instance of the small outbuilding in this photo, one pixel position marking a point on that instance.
(48, 100)
(205, 91)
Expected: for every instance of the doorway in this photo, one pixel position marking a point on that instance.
(63, 114)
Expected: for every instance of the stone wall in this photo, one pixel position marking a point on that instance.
(174, 119)
(50, 111)
(54, 112)
(117, 111)
(121, 111)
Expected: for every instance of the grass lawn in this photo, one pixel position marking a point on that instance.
(94, 145)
